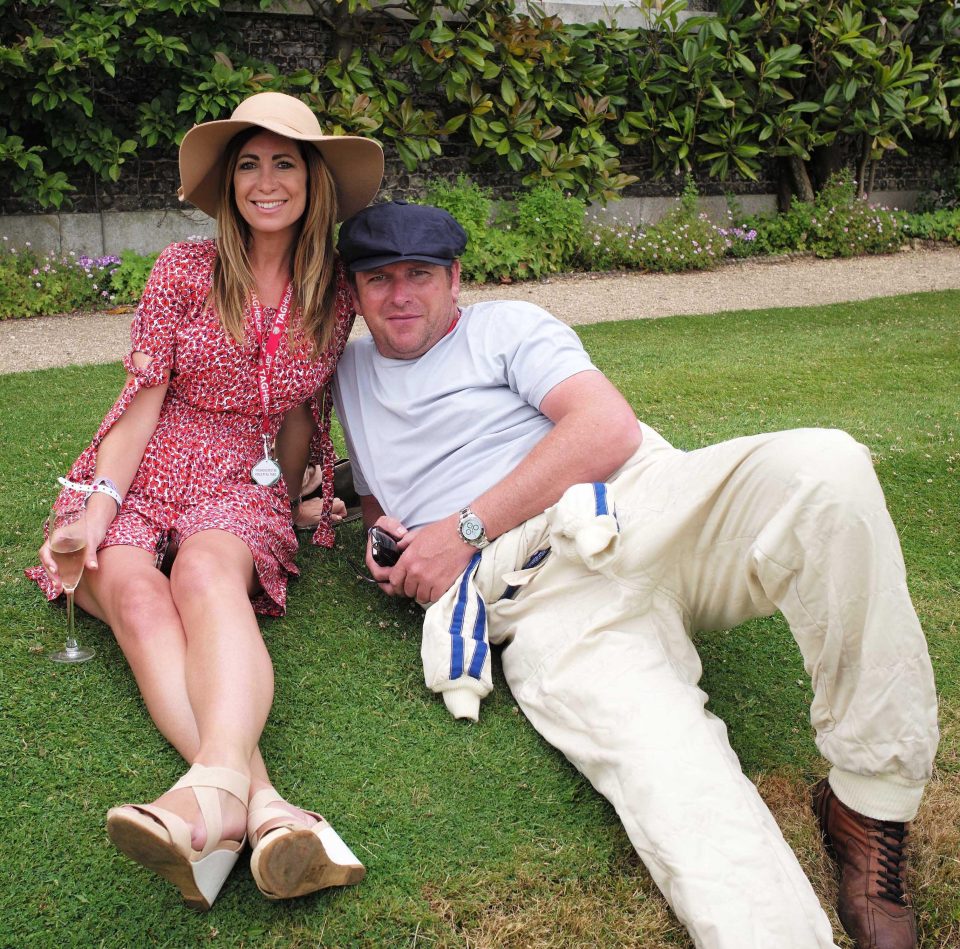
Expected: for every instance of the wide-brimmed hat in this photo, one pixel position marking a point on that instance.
(355, 164)
(387, 233)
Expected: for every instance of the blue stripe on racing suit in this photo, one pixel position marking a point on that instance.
(456, 623)
(532, 561)
(600, 494)
(480, 638)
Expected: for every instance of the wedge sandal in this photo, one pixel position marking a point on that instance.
(290, 859)
(159, 840)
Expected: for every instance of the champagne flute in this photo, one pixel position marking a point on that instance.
(67, 534)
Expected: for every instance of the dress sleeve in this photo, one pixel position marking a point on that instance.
(322, 455)
(166, 298)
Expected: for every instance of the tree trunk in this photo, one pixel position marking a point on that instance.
(862, 166)
(784, 185)
(802, 186)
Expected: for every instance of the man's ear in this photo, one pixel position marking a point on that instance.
(455, 280)
(352, 284)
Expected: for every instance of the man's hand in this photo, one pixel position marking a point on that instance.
(431, 559)
(382, 574)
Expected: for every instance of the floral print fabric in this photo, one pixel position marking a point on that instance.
(195, 472)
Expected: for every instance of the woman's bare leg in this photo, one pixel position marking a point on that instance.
(229, 675)
(134, 598)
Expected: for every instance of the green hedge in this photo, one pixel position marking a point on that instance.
(88, 86)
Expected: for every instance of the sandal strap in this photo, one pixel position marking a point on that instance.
(260, 812)
(206, 782)
(262, 800)
(223, 779)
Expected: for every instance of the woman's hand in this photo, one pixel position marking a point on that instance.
(100, 512)
(50, 565)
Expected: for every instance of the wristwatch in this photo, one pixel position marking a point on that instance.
(471, 529)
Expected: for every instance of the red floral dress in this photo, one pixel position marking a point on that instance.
(195, 472)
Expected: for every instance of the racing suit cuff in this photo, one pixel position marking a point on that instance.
(882, 797)
(462, 703)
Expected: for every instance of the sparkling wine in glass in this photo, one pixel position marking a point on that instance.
(67, 533)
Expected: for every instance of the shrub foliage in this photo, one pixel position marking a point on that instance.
(537, 234)
(839, 223)
(33, 284)
(807, 82)
(542, 231)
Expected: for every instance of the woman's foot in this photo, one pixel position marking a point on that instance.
(292, 816)
(183, 802)
(163, 840)
(295, 852)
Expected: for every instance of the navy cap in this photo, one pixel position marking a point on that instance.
(383, 234)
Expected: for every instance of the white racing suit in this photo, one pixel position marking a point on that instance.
(599, 658)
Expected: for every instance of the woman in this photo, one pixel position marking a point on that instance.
(230, 335)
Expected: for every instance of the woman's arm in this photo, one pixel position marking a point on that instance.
(118, 458)
(293, 447)
(293, 453)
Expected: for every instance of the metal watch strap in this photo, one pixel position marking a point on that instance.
(479, 542)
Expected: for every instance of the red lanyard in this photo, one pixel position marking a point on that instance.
(268, 349)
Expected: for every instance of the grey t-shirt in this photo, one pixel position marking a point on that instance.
(427, 436)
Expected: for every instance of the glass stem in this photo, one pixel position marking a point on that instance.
(71, 638)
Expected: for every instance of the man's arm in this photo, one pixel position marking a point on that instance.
(371, 512)
(595, 432)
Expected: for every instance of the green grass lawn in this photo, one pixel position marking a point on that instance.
(473, 835)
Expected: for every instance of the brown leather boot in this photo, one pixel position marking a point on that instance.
(872, 905)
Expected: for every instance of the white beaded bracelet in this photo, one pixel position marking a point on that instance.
(99, 486)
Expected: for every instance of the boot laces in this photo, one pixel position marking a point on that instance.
(891, 838)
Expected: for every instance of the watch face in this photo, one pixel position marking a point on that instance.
(471, 528)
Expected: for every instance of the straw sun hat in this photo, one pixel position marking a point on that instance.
(356, 164)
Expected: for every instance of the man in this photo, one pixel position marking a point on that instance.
(533, 510)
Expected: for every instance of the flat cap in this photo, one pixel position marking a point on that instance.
(387, 233)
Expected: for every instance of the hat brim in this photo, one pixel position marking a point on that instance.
(372, 263)
(354, 163)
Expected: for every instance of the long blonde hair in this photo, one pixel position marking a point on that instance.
(312, 263)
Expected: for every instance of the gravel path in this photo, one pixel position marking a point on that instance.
(79, 339)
